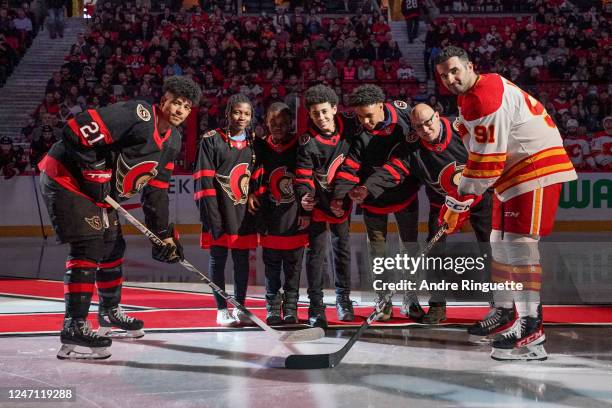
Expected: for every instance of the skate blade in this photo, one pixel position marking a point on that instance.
(527, 353)
(480, 339)
(120, 335)
(69, 352)
(299, 336)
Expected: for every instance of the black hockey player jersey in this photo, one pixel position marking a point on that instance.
(371, 150)
(319, 158)
(222, 175)
(273, 185)
(117, 150)
(438, 165)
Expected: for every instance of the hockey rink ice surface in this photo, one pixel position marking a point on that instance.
(203, 366)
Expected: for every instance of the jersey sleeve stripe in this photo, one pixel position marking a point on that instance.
(351, 163)
(303, 172)
(398, 163)
(203, 173)
(347, 176)
(393, 172)
(209, 192)
(482, 174)
(159, 184)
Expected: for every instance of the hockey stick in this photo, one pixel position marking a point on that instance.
(297, 336)
(314, 361)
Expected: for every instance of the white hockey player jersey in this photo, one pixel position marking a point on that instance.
(579, 151)
(513, 144)
(601, 150)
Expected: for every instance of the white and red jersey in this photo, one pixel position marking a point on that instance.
(579, 151)
(601, 150)
(513, 144)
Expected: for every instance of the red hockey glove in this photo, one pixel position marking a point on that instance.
(456, 210)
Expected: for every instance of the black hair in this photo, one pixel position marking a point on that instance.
(320, 94)
(365, 95)
(231, 102)
(280, 107)
(181, 86)
(235, 100)
(450, 52)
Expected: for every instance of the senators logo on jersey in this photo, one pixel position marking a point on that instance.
(281, 186)
(449, 177)
(325, 180)
(131, 180)
(236, 185)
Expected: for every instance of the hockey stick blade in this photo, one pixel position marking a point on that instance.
(297, 336)
(331, 360)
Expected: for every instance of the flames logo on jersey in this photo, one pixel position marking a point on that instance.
(325, 180)
(449, 177)
(131, 180)
(281, 186)
(236, 185)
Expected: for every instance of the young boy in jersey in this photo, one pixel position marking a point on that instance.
(515, 147)
(322, 150)
(225, 162)
(282, 235)
(115, 151)
(384, 126)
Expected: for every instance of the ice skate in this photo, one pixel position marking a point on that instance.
(497, 321)
(78, 333)
(524, 341)
(114, 317)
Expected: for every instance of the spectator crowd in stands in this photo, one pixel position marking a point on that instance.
(126, 52)
(18, 27)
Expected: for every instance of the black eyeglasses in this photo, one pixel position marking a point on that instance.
(428, 123)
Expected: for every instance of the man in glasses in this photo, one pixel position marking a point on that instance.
(435, 154)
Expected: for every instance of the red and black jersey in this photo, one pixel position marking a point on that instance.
(369, 151)
(222, 176)
(272, 183)
(117, 150)
(318, 159)
(438, 165)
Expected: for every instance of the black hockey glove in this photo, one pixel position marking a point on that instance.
(172, 250)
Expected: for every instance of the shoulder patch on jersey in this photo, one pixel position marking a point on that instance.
(400, 104)
(210, 133)
(143, 113)
(483, 99)
(305, 138)
(412, 137)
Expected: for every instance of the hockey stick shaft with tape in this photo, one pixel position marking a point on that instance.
(314, 361)
(288, 337)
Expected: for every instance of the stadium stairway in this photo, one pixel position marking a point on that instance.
(414, 51)
(25, 88)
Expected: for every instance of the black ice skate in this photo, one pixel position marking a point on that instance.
(497, 321)
(78, 333)
(114, 317)
(524, 341)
